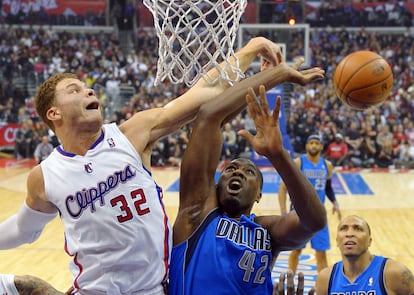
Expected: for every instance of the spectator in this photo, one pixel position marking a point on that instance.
(43, 149)
(367, 153)
(337, 151)
(229, 142)
(384, 134)
(385, 154)
(353, 139)
(23, 141)
(406, 155)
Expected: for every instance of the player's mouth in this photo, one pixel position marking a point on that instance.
(350, 244)
(93, 106)
(234, 186)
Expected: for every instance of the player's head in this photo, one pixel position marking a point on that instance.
(314, 145)
(45, 96)
(239, 187)
(64, 95)
(353, 236)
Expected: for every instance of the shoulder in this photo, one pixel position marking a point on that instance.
(268, 221)
(35, 176)
(322, 280)
(398, 278)
(325, 273)
(298, 160)
(36, 184)
(36, 194)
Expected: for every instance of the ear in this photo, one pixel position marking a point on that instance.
(53, 113)
(259, 197)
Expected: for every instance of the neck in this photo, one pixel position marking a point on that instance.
(78, 143)
(355, 265)
(313, 159)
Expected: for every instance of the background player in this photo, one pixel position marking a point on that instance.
(359, 271)
(319, 172)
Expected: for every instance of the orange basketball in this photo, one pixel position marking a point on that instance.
(363, 79)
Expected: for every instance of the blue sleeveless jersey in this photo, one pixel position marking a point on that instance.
(369, 282)
(317, 175)
(223, 256)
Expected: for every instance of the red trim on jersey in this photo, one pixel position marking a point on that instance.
(166, 235)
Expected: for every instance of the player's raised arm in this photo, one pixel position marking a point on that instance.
(162, 121)
(200, 161)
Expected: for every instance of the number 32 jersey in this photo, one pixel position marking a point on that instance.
(115, 224)
(223, 256)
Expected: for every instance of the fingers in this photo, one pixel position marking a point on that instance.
(301, 284)
(263, 99)
(255, 108)
(273, 53)
(298, 63)
(252, 105)
(290, 285)
(246, 135)
(279, 287)
(265, 64)
(276, 110)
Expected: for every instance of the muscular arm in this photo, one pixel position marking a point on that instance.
(282, 194)
(399, 280)
(197, 187)
(282, 197)
(289, 231)
(146, 127)
(322, 281)
(30, 285)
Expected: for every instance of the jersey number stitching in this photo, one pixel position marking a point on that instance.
(247, 264)
(138, 204)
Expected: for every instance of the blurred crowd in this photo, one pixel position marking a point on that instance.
(379, 137)
(389, 13)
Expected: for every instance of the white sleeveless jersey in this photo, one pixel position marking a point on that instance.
(7, 286)
(115, 223)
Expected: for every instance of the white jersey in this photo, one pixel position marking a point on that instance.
(115, 223)
(7, 286)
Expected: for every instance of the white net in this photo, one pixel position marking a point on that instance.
(195, 36)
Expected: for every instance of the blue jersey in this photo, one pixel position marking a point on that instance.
(223, 256)
(317, 175)
(370, 281)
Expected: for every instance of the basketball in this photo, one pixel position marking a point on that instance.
(363, 79)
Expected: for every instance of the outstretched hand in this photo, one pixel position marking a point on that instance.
(303, 77)
(279, 287)
(268, 138)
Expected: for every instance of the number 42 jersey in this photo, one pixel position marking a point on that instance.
(223, 256)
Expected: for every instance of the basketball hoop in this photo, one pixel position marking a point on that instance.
(195, 36)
